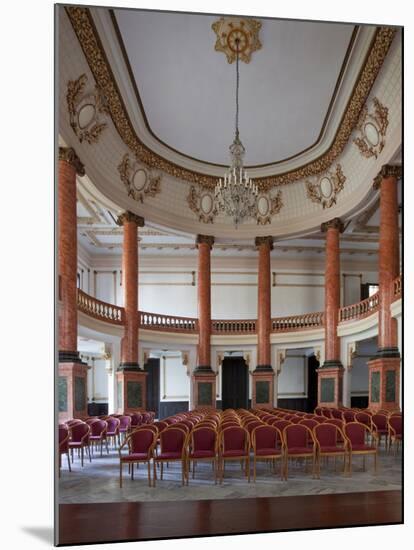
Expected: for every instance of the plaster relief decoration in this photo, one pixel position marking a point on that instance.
(268, 206)
(231, 31)
(201, 202)
(372, 127)
(326, 188)
(85, 109)
(139, 181)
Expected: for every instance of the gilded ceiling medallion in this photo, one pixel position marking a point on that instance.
(84, 110)
(201, 202)
(372, 127)
(237, 33)
(325, 189)
(139, 181)
(88, 37)
(268, 206)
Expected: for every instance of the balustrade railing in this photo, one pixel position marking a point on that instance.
(359, 310)
(169, 323)
(233, 326)
(397, 283)
(298, 322)
(100, 310)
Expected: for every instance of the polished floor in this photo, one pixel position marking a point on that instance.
(88, 523)
(98, 482)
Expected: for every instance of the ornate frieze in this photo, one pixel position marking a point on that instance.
(237, 33)
(268, 206)
(139, 181)
(85, 108)
(87, 35)
(68, 155)
(371, 128)
(327, 187)
(201, 202)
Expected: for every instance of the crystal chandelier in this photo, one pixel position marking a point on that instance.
(236, 194)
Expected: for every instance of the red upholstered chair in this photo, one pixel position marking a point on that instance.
(380, 427)
(63, 445)
(141, 443)
(310, 423)
(330, 441)
(112, 432)
(98, 434)
(348, 416)
(321, 419)
(79, 439)
(70, 423)
(355, 436)
(203, 446)
(296, 419)
(147, 418)
(336, 413)
(124, 425)
(327, 413)
(136, 420)
(395, 431)
(267, 444)
(234, 444)
(318, 411)
(364, 418)
(160, 425)
(281, 424)
(173, 444)
(252, 425)
(299, 443)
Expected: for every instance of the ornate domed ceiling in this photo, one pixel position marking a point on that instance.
(148, 104)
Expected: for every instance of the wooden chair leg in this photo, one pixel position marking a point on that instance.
(132, 471)
(254, 468)
(149, 473)
(248, 468)
(70, 469)
(120, 474)
(82, 456)
(155, 473)
(89, 452)
(162, 469)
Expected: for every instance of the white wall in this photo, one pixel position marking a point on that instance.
(293, 377)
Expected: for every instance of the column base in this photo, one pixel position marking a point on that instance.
(204, 369)
(330, 383)
(384, 383)
(72, 390)
(128, 367)
(262, 387)
(204, 388)
(131, 389)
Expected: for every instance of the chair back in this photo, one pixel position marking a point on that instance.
(80, 433)
(63, 438)
(355, 433)
(336, 422)
(183, 427)
(379, 421)
(318, 411)
(297, 435)
(147, 418)
(142, 440)
(124, 422)
(113, 425)
(321, 419)
(74, 421)
(136, 419)
(148, 427)
(327, 434)
(265, 437)
(252, 425)
(91, 420)
(173, 440)
(309, 423)
(234, 438)
(395, 423)
(160, 425)
(99, 428)
(336, 413)
(364, 418)
(296, 419)
(203, 439)
(326, 413)
(348, 416)
(281, 424)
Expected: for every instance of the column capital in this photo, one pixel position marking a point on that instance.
(335, 223)
(387, 171)
(268, 240)
(67, 154)
(130, 217)
(207, 239)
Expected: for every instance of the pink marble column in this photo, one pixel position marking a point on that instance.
(204, 245)
(264, 245)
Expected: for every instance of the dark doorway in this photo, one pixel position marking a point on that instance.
(312, 400)
(152, 367)
(235, 383)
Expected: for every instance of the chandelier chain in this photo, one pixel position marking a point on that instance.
(237, 88)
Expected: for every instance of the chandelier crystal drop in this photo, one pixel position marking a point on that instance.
(236, 194)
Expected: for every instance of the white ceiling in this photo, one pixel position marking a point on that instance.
(187, 88)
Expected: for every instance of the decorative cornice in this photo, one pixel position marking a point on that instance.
(206, 239)
(88, 37)
(264, 240)
(335, 223)
(130, 217)
(68, 155)
(388, 171)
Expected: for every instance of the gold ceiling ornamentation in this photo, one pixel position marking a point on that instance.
(387, 171)
(268, 206)
(89, 40)
(130, 217)
(139, 181)
(201, 202)
(372, 127)
(84, 110)
(325, 190)
(237, 31)
(68, 154)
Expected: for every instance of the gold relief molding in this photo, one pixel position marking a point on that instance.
(67, 154)
(273, 206)
(92, 103)
(236, 33)
(206, 239)
(130, 217)
(138, 180)
(372, 128)
(86, 32)
(388, 171)
(327, 188)
(201, 202)
(335, 223)
(268, 240)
